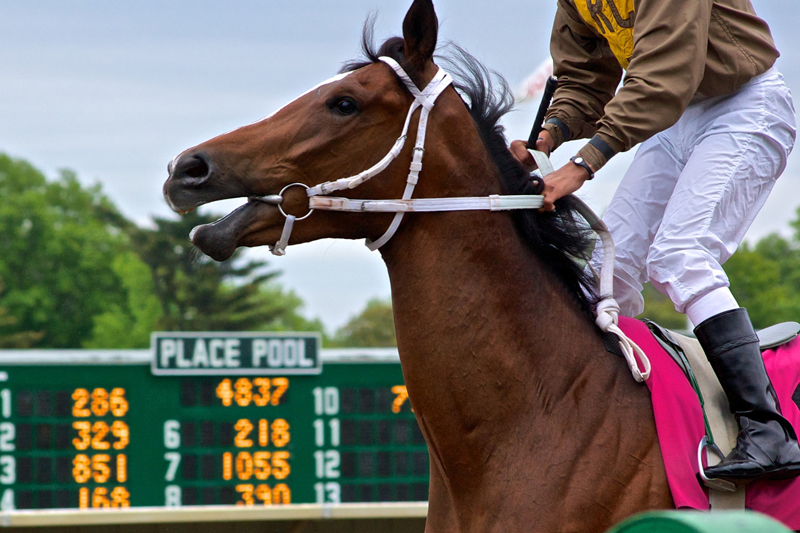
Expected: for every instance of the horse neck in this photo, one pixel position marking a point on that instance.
(476, 312)
(507, 375)
(474, 305)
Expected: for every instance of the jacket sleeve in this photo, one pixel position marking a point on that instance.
(669, 56)
(588, 75)
(667, 66)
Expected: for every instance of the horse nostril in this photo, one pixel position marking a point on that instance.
(193, 167)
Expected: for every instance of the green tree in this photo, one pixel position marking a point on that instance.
(659, 309)
(199, 294)
(762, 280)
(128, 325)
(10, 336)
(282, 310)
(372, 328)
(765, 278)
(77, 273)
(59, 241)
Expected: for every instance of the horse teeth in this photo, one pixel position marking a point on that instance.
(274, 199)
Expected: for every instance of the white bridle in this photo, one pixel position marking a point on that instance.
(424, 99)
(607, 309)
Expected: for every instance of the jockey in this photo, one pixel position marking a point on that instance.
(716, 123)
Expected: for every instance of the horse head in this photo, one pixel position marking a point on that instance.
(334, 130)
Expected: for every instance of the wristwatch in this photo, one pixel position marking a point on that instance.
(581, 162)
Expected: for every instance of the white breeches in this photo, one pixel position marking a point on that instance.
(693, 190)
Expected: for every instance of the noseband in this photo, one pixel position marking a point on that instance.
(424, 99)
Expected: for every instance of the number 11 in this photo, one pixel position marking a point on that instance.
(319, 431)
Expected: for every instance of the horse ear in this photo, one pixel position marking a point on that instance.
(420, 30)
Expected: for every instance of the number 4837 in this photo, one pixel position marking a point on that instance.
(259, 391)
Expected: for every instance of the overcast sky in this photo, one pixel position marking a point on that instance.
(115, 89)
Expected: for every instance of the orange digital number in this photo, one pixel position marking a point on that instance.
(118, 403)
(267, 391)
(262, 467)
(401, 393)
(280, 433)
(244, 466)
(244, 428)
(82, 468)
(281, 494)
(100, 498)
(281, 386)
(83, 498)
(224, 392)
(100, 430)
(246, 490)
(261, 464)
(261, 399)
(120, 497)
(93, 435)
(122, 468)
(81, 398)
(227, 466)
(280, 465)
(100, 470)
(95, 468)
(263, 432)
(264, 494)
(100, 402)
(244, 392)
(84, 438)
(120, 430)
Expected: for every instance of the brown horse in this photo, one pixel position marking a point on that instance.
(530, 423)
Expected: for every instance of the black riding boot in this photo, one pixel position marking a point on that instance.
(766, 447)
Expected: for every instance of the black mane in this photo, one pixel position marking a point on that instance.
(562, 238)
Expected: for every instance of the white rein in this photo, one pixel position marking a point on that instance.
(607, 309)
(424, 99)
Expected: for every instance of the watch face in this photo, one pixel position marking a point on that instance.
(579, 160)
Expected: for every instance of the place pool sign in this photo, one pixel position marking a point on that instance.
(218, 353)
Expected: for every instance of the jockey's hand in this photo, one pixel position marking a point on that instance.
(562, 182)
(520, 151)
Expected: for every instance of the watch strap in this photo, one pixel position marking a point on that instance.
(581, 162)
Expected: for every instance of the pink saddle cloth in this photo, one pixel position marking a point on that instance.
(679, 423)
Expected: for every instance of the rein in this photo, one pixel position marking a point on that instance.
(607, 309)
(424, 99)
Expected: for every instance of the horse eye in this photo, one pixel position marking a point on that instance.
(345, 106)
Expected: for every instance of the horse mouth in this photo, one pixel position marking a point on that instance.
(219, 239)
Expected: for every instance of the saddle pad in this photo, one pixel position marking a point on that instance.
(679, 424)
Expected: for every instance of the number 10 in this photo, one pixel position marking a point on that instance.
(326, 400)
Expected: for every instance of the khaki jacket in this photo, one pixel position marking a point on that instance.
(672, 51)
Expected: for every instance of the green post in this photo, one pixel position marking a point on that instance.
(700, 522)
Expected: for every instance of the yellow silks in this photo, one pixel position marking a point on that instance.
(613, 19)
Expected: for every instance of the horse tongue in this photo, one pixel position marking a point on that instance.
(219, 239)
